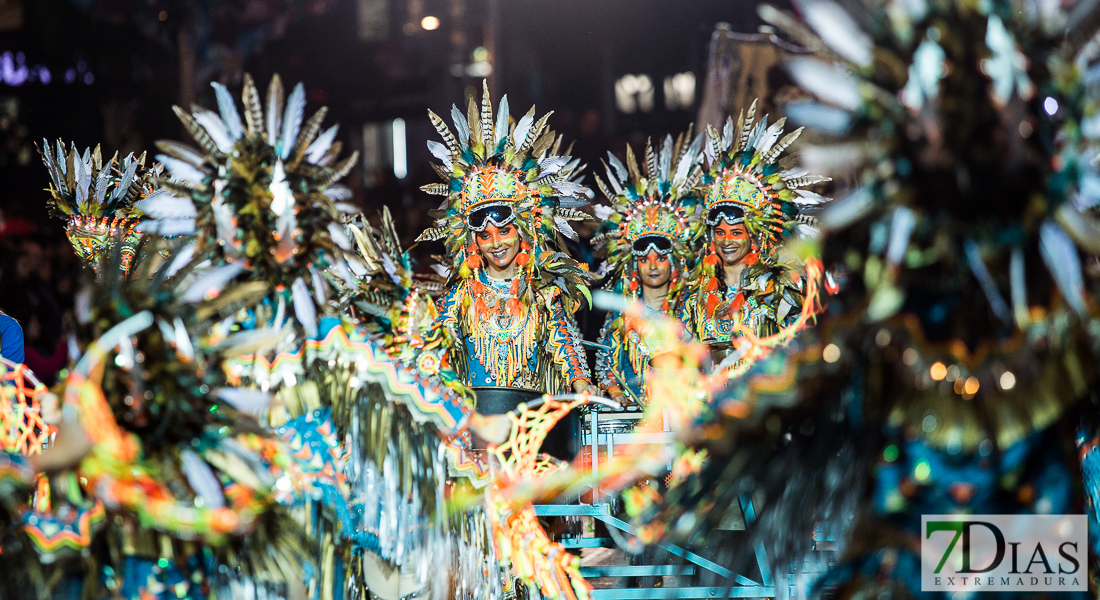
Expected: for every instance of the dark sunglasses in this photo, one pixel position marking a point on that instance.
(651, 243)
(730, 213)
(497, 214)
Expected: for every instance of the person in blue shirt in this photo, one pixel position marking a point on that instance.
(11, 339)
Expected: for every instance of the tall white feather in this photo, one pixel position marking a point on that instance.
(292, 120)
(228, 109)
(1060, 255)
(304, 308)
(214, 126)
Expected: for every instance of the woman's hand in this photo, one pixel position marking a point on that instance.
(581, 386)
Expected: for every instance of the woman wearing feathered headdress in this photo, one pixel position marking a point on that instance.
(512, 290)
(751, 206)
(644, 239)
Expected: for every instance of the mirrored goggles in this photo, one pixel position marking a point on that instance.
(651, 243)
(730, 213)
(496, 214)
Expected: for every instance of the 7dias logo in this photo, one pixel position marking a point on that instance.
(1004, 553)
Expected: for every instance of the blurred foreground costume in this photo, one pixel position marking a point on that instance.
(518, 332)
(951, 369)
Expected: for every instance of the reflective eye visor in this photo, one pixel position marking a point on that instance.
(730, 213)
(496, 214)
(651, 243)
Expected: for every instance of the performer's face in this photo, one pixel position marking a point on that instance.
(655, 270)
(499, 245)
(732, 242)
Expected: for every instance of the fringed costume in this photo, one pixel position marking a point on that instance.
(517, 332)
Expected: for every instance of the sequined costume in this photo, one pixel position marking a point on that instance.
(519, 332)
(539, 349)
(651, 206)
(767, 300)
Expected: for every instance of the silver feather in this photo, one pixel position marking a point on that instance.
(228, 109)
(123, 186)
(180, 260)
(1064, 264)
(321, 145)
(828, 82)
(837, 29)
(83, 181)
(201, 479)
(664, 160)
(339, 192)
(462, 128)
(215, 128)
(565, 228)
(304, 309)
(182, 339)
(688, 160)
(162, 204)
(101, 184)
(318, 288)
(211, 281)
(551, 165)
(182, 171)
(765, 142)
(244, 400)
(167, 227)
(569, 188)
(441, 152)
(727, 135)
(620, 169)
(292, 120)
(522, 128)
(338, 236)
(501, 127)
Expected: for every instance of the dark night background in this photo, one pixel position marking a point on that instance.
(108, 72)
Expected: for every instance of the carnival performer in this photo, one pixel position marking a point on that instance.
(741, 284)
(96, 198)
(644, 239)
(512, 289)
(364, 396)
(184, 476)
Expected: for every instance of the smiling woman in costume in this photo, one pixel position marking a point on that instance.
(644, 238)
(751, 205)
(512, 290)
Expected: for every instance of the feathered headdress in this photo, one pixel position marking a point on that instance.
(262, 193)
(98, 199)
(745, 183)
(501, 174)
(649, 211)
(397, 302)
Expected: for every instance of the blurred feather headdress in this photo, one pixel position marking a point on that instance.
(97, 198)
(261, 193)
